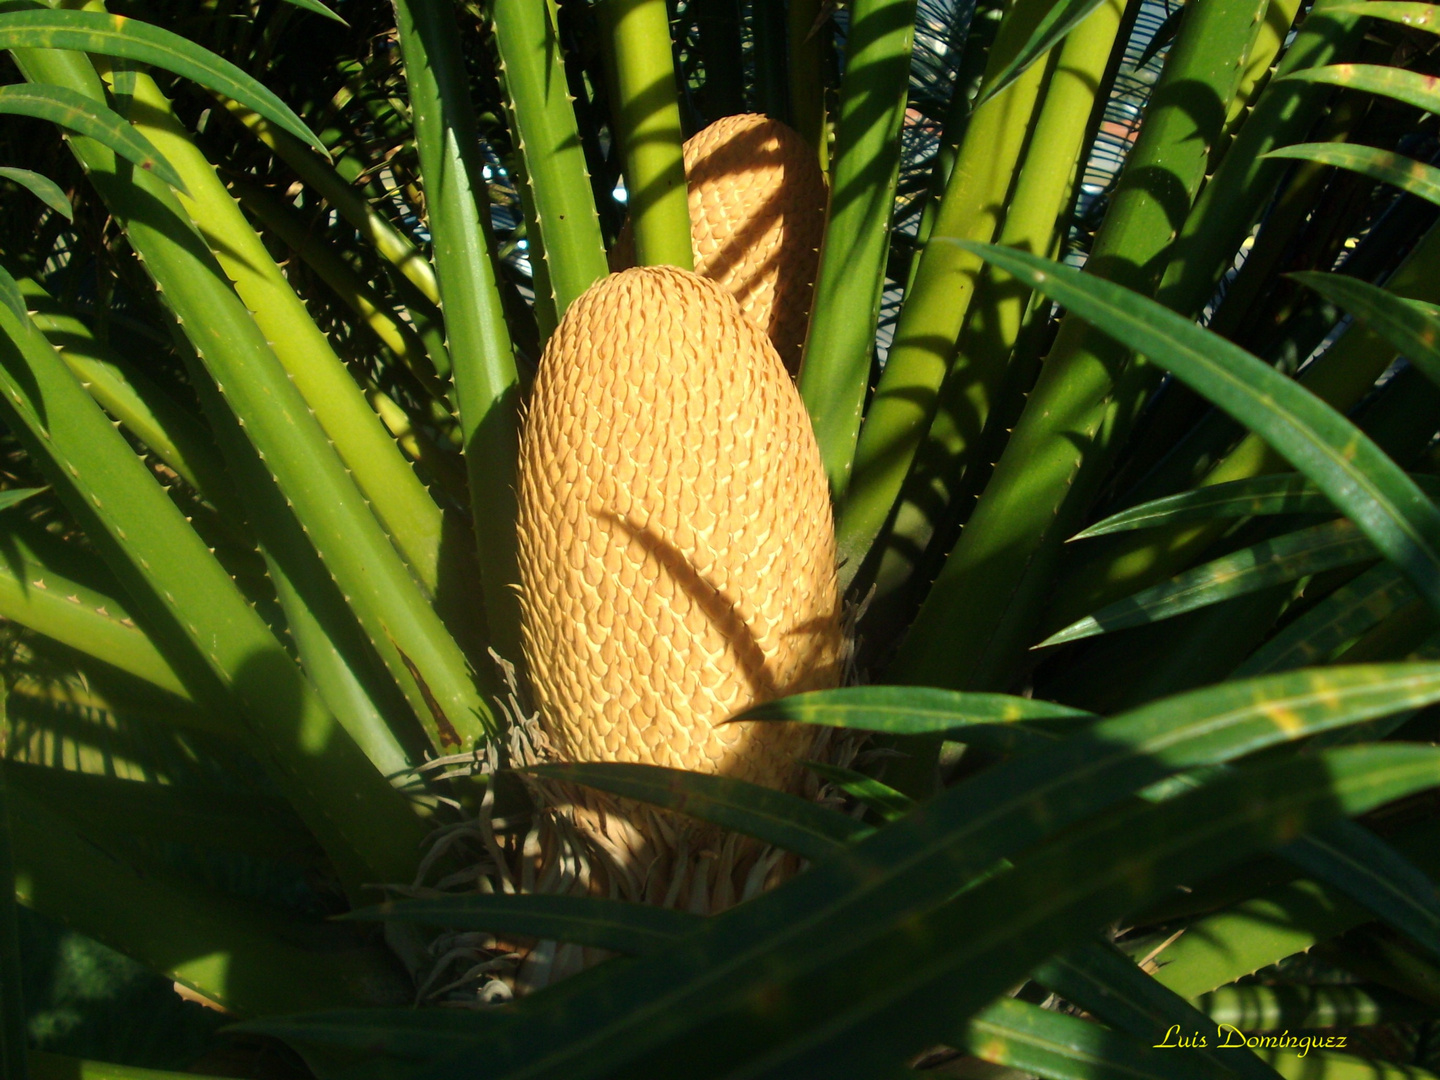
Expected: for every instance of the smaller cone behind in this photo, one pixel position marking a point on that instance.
(677, 552)
(757, 215)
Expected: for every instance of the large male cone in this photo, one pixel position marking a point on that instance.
(757, 215)
(676, 545)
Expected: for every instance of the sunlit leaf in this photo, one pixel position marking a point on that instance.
(1061, 1047)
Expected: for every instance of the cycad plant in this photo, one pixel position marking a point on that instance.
(1120, 373)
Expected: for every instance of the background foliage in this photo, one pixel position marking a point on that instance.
(1143, 561)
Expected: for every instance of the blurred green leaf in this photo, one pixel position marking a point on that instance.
(1415, 15)
(56, 1067)
(10, 295)
(409, 1034)
(174, 813)
(13, 1035)
(15, 496)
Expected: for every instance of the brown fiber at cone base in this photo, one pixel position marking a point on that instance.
(757, 214)
(676, 544)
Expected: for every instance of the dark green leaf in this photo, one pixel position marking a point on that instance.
(937, 966)
(173, 813)
(1270, 562)
(1345, 464)
(319, 9)
(1413, 333)
(593, 921)
(911, 866)
(1106, 983)
(1384, 165)
(43, 188)
(115, 35)
(787, 821)
(1342, 616)
(1274, 493)
(883, 799)
(1164, 35)
(1061, 1047)
(907, 710)
(78, 113)
(1369, 871)
(881, 978)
